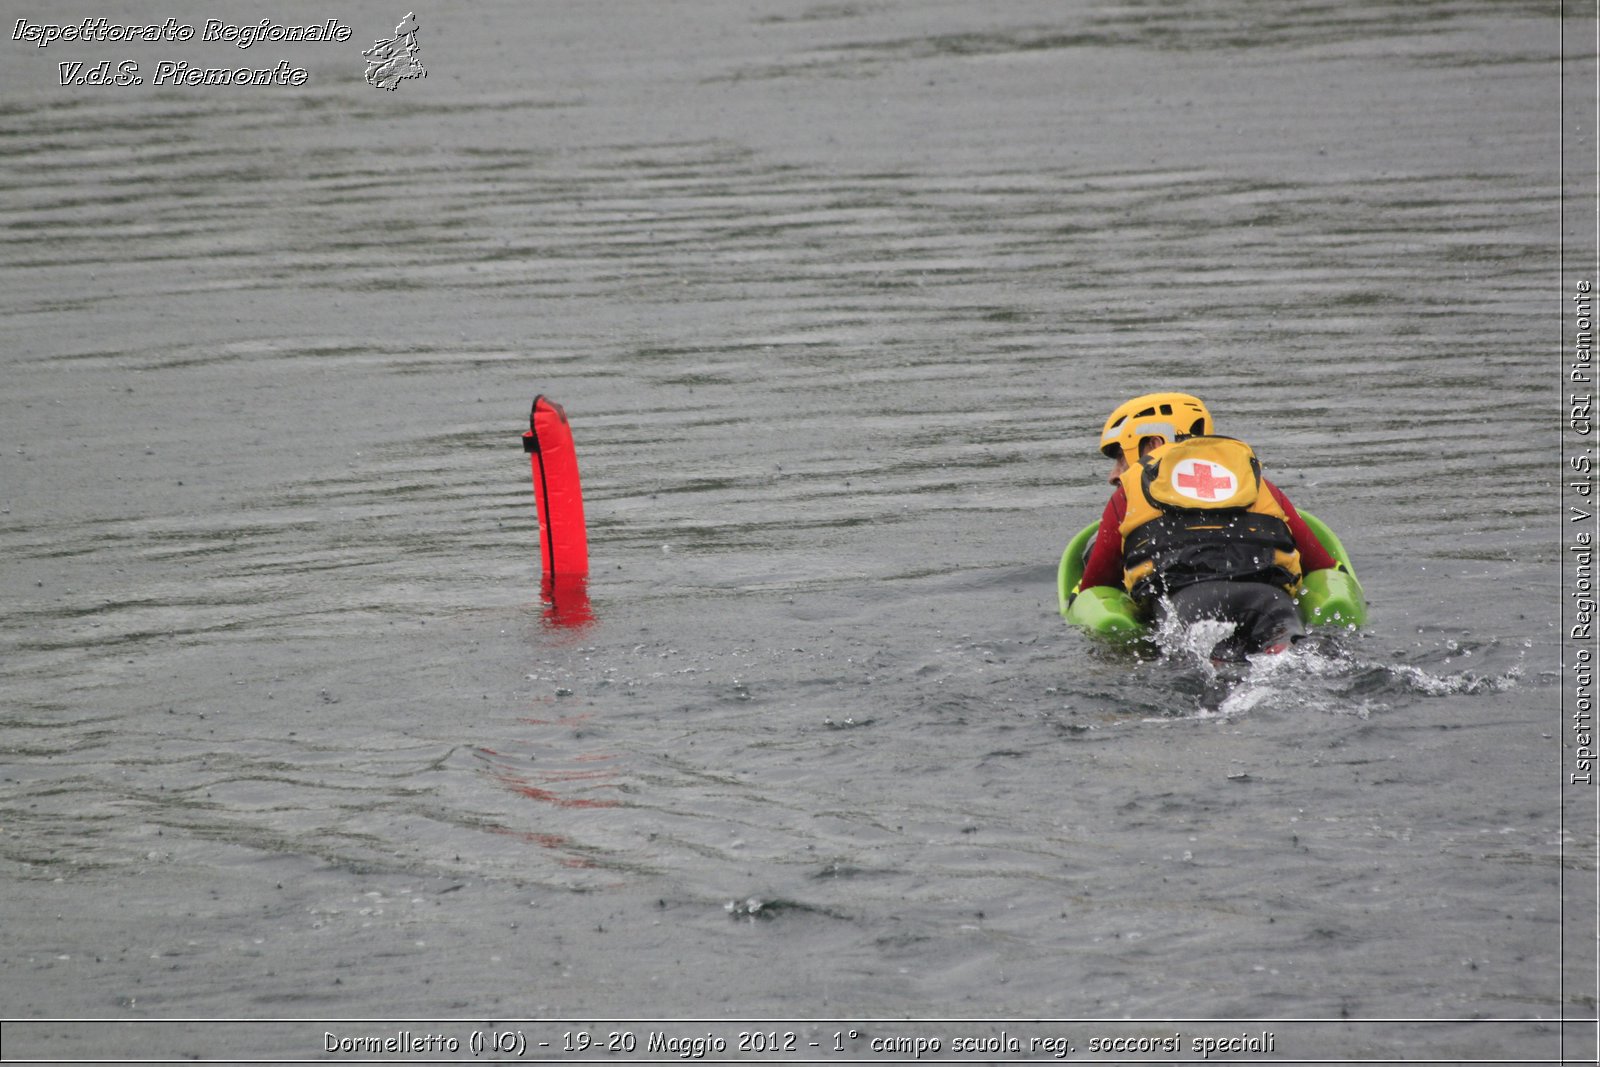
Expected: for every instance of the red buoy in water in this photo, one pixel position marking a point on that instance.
(558, 497)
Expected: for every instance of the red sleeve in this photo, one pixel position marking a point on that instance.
(1104, 565)
(1313, 557)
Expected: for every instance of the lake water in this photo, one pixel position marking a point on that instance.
(837, 298)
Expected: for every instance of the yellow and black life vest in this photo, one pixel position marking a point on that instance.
(1199, 512)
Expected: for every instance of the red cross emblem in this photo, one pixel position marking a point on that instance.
(1201, 481)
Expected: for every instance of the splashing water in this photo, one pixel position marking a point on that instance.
(1322, 675)
(1326, 671)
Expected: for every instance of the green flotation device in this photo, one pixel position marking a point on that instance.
(1331, 597)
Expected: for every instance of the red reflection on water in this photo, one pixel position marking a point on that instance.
(570, 720)
(542, 840)
(557, 842)
(521, 785)
(566, 601)
(576, 776)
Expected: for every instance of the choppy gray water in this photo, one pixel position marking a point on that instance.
(836, 298)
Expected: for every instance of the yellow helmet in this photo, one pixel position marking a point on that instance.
(1168, 415)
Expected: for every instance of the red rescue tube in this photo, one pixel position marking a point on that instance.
(563, 539)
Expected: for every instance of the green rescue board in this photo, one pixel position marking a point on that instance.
(1327, 597)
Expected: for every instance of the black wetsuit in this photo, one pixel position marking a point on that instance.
(1265, 615)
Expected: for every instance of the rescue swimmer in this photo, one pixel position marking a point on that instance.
(1194, 531)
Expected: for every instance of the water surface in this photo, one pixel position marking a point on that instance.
(837, 298)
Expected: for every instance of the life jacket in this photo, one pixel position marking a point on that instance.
(1198, 511)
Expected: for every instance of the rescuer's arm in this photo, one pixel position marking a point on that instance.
(1313, 556)
(1104, 565)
